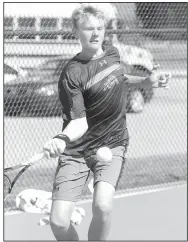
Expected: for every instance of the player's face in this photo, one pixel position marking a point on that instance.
(91, 32)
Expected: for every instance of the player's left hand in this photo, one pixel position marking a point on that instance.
(158, 79)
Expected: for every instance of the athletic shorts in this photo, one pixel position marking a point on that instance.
(72, 173)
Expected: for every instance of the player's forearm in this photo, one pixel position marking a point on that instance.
(76, 128)
(138, 80)
(134, 79)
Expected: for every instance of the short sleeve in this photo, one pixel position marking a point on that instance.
(112, 52)
(71, 95)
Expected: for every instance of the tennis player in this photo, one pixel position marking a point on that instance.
(92, 90)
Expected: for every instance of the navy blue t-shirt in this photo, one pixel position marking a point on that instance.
(95, 89)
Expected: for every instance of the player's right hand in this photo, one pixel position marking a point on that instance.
(158, 79)
(54, 148)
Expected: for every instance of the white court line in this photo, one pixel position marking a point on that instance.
(143, 190)
(130, 193)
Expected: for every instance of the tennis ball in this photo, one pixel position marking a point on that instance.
(104, 154)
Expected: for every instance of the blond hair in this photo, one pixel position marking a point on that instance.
(104, 11)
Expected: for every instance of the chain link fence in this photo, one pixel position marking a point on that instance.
(36, 47)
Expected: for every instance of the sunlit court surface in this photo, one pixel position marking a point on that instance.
(151, 197)
(155, 214)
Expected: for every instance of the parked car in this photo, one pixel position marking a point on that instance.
(12, 72)
(36, 94)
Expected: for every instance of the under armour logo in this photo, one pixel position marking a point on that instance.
(103, 62)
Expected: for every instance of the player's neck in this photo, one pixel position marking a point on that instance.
(88, 54)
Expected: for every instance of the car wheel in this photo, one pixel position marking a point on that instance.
(135, 101)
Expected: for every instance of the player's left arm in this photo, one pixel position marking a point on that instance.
(158, 79)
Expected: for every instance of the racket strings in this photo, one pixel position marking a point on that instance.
(7, 186)
(15, 172)
(11, 176)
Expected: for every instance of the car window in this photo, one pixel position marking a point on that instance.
(9, 70)
(50, 68)
(54, 65)
(46, 68)
(51, 64)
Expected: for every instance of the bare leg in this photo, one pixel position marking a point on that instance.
(102, 209)
(61, 213)
(62, 234)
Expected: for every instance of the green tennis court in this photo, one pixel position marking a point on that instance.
(158, 213)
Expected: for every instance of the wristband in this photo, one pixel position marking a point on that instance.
(63, 137)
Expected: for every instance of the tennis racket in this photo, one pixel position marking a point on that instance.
(8, 184)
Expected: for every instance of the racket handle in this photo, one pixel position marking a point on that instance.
(37, 157)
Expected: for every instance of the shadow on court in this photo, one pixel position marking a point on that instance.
(151, 215)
